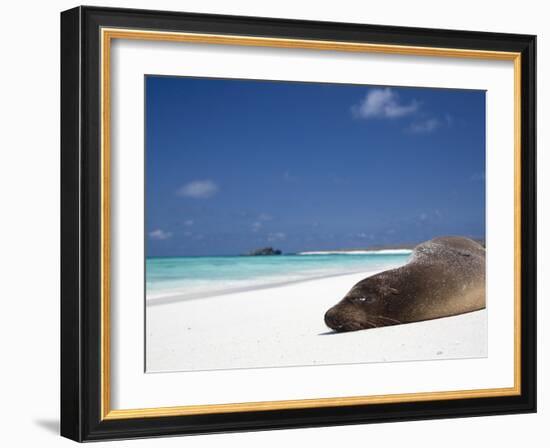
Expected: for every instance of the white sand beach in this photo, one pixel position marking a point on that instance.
(283, 326)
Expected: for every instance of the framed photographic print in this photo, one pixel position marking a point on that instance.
(273, 223)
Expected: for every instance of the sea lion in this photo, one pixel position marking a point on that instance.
(443, 277)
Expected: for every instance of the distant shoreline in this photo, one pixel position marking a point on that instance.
(388, 249)
(400, 251)
(380, 248)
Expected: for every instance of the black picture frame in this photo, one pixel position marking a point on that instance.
(81, 224)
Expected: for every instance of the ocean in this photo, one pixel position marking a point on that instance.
(196, 277)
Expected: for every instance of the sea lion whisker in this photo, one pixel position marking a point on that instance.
(371, 323)
(389, 319)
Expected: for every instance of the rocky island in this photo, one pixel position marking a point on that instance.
(265, 251)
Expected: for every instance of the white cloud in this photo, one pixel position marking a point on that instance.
(265, 217)
(384, 103)
(189, 222)
(159, 234)
(276, 236)
(425, 126)
(256, 226)
(199, 189)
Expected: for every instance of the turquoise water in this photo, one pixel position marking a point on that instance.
(190, 277)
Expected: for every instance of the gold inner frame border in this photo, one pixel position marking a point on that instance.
(107, 35)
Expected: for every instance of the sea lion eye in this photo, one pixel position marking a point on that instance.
(369, 299)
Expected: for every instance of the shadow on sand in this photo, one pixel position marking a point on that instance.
(329, 333)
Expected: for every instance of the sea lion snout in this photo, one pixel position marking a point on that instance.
(332, 320)
(361, 308)
(345, 317)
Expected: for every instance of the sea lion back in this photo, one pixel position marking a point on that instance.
(446, 248)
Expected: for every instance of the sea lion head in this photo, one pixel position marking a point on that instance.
(364, 306)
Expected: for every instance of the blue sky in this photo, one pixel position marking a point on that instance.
(233, 165)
